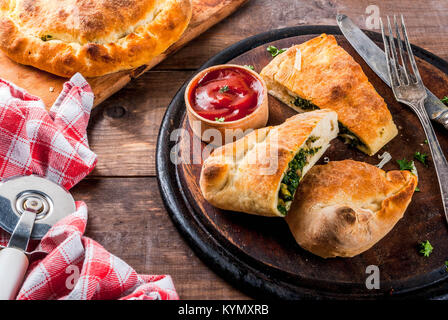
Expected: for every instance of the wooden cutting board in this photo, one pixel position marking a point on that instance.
(206, 13)
(259, 254)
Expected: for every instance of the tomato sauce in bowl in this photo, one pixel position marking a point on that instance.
(226, 94)
(224, 102)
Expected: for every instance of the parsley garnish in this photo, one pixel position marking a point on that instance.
(426, 141)
(445, 100)
(248, 66)
(421, 157)
(417, 189)
(224, 89)
(425, 248)
(446, 265)
(405, 164)
(219, 119)
(274, 51)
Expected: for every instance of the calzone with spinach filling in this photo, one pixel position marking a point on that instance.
(319, 74)
(260, 173)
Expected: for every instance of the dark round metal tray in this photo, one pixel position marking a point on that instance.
(230, 243)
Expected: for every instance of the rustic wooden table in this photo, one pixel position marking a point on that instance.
(127, 215)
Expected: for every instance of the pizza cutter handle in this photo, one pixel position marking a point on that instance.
(13, 266)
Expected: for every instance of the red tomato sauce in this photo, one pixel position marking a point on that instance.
(226, 94)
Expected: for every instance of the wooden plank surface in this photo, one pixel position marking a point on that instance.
(126, 213)
(145, 237)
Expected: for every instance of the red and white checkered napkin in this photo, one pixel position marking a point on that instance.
(54, 145)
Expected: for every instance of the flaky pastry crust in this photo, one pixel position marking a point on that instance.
(330, 78)
(345, 207)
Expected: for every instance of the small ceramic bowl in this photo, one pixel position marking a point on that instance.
(225, 132)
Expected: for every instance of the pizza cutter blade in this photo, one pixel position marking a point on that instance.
(29, 206)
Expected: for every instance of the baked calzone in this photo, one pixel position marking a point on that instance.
(320, 74)
(92, 37)
(347, 206)
(259, 173)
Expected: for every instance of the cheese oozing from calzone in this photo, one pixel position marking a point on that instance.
(329, 78)
(260, 173)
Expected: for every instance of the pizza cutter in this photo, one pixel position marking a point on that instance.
(29, 206)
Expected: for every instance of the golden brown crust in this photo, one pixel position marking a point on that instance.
(347, 206)
(330, 78)
(245, 175)
(91, 37)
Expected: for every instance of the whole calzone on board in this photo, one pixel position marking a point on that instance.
(259, 173)
(91, 37)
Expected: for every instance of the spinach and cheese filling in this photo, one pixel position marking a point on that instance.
(293, 174)
(304, 104)
(349, 137)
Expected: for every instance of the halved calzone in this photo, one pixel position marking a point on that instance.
(347, 206)
(260, 172)
(319, 74)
